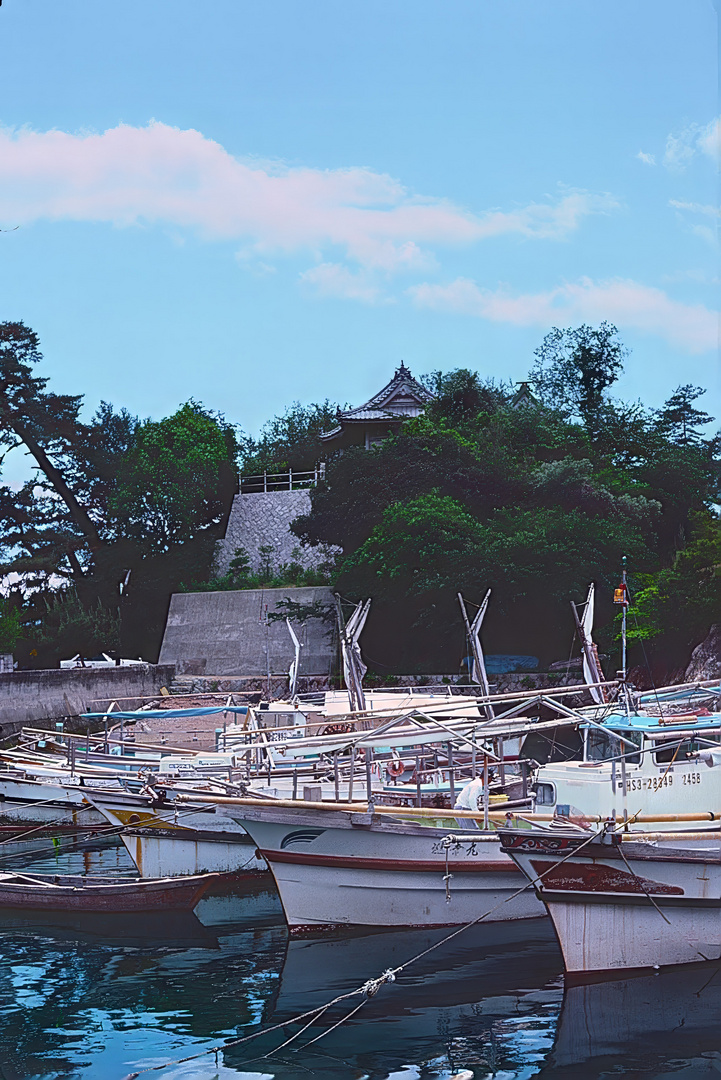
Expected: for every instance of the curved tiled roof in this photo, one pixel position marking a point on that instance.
(402, 396)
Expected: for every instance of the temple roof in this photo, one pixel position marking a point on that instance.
(402, 397)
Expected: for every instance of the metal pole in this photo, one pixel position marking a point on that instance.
(369, 762)
(295, 783)
(418, 781)
(336, 778)
(485, 791)
(352, 771)
(449, 747)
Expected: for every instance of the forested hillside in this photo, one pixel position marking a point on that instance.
(532, 493)
(533, 496)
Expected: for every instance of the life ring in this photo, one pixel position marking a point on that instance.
(395, 768)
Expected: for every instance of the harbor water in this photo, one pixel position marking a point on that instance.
(103, 997)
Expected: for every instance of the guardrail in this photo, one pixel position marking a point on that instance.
(284, 481)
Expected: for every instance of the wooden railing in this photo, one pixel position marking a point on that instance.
(285, 481)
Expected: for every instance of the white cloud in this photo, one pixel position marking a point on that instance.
(647, 159)
(709, 140)
(682, 147)
(335, 280)
(696, 208)
(161, 174)
(707, 233)
(691, 327)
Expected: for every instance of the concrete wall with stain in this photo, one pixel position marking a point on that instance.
(228, 633)
(30, 697)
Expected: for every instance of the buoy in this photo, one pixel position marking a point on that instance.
(395, 768)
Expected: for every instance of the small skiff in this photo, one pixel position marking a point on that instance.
(61, 892)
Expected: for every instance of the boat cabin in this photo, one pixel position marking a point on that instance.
(638, 764)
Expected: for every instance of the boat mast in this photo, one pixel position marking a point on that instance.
(620, 596)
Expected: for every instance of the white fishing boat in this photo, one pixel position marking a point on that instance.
(167, 842)
(635, 764)
(350, 867)
(621, 902)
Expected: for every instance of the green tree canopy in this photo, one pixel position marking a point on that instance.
(174, 482)
(574, 368)
(289, 440)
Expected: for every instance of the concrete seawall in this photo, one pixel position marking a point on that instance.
(227, 633)
(30, 697)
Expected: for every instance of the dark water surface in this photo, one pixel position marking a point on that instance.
(100, 997)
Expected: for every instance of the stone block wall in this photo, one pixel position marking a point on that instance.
(262, 519)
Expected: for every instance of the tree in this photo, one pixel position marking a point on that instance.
(290, 440)
(460, 395)
(675, 605)
(176, 481)
(46, 423)
(567, 531)
(679, 420)
(574, 368)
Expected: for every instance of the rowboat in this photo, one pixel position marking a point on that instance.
(60, 892)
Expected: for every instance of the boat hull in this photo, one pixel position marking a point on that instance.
(332, 873)
(160, 846)
(58, 894)
(627, 906)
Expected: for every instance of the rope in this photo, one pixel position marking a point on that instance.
(102, 830)
(368, 989)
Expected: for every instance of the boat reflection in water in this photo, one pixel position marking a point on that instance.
(647, 1022)
(472, 1002)
(96, 1002)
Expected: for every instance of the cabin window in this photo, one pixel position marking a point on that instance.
(671, 751)
(603, 745)
(545, 795)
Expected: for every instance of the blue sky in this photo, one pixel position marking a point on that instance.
(251, 203)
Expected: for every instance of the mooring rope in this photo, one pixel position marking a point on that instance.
(369, 988)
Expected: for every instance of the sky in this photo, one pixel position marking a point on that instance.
(251, 203)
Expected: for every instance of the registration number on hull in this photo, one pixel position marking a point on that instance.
(658, 783)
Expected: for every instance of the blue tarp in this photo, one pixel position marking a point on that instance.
(166, 714)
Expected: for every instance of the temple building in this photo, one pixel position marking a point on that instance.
(381, 416)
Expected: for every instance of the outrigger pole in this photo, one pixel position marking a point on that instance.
(353, 667)
(473, 630)
(591, 665)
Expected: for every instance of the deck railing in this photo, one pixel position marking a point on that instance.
(284, 481)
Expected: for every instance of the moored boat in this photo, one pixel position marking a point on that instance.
(348, 867)
(622, 902)
(59, 892)
(165, 843)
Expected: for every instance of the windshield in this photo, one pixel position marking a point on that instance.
(604, 745)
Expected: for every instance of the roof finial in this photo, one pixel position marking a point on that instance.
(402, 370)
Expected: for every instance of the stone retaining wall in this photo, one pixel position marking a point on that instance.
(263, 519)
